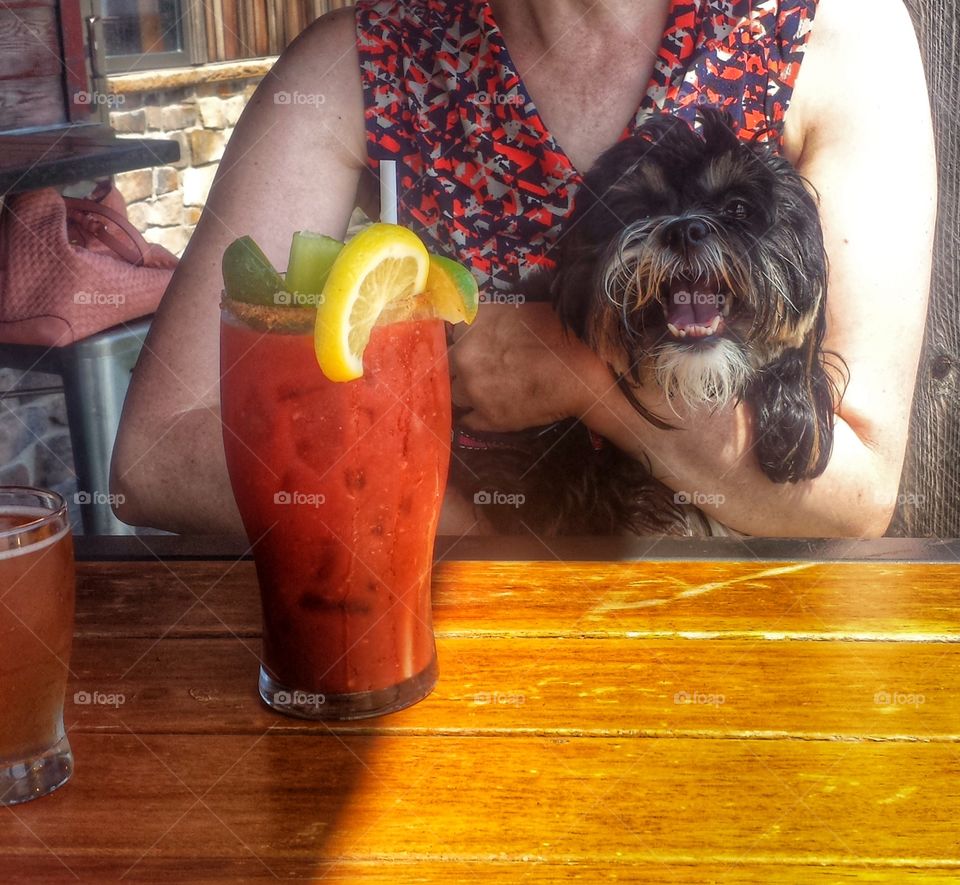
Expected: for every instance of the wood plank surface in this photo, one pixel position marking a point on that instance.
(36, 101)
(610, 687)
(311, 800)
(49, 159)
(930, 483)
(29, 45)
(417, 871)
(676, 722)
(667, 598)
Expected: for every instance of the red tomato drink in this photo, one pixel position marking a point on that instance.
(339, 486)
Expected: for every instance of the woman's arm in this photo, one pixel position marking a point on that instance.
(290, 165)
(868, 150)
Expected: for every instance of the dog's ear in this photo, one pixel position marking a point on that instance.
(794, 400)
(573, 285)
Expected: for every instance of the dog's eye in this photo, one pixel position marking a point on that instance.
(738, 209)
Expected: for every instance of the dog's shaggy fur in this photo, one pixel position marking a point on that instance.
(697, 260)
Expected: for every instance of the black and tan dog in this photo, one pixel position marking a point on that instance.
(695, 260)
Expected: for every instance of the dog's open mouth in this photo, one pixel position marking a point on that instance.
(695, 308)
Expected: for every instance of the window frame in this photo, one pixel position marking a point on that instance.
(194, 51)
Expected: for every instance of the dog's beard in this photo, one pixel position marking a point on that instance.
(713, 376)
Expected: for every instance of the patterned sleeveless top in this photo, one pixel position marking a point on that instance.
(479, 176)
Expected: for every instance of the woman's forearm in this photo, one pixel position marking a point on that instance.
(171, 473)
(710, 458)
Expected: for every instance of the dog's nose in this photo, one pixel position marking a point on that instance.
(685, 232)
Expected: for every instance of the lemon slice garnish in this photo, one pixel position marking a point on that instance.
(382, 266)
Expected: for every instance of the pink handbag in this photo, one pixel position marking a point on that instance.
(70, 268)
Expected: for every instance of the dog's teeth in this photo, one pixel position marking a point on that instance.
(715, 324)
(673, 330)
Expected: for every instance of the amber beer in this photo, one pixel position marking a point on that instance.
(36, 630)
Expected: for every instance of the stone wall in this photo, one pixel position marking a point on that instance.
(165, 202)
(34, 436)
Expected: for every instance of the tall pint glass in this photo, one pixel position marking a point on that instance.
(339, 485)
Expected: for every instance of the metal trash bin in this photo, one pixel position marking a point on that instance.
(96, 374)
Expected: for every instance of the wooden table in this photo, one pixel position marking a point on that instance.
(659, 721)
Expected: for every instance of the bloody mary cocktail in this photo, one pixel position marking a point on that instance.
(339, 485)
(36, 630)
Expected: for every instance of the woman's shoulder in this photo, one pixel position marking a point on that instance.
(317, 80)
(853, 58)
(840, 20)
(844, 35)
(335, 30)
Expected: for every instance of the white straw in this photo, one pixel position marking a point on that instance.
(388, 191)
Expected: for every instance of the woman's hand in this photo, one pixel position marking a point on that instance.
(515, 367)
